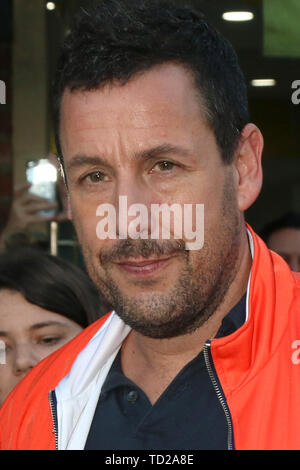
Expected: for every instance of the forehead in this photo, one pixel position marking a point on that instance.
(17, 313)
(165, 96)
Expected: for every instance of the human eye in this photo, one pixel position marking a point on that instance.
(49, 340)
(163, 166)
(95, 177)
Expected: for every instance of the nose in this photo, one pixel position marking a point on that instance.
(132, 202)
(24, 359)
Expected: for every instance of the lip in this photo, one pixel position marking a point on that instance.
(143, 267)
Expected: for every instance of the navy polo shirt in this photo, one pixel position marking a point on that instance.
(187, 416)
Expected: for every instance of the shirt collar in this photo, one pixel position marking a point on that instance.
(231, 322)
(234, 319)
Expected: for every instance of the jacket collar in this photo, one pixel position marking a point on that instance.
(77, 393)
(239, 356)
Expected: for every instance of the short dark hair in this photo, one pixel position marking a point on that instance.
(114, 40)
(52, 283)
(288, 220)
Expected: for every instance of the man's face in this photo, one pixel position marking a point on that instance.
(148, 140)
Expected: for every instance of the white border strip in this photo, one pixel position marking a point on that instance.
(251, 244)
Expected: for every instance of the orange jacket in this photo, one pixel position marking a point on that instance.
(258, 367)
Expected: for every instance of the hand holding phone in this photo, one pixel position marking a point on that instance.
(42, 176)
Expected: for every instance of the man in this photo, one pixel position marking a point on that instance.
(283, 236)
(200, 354)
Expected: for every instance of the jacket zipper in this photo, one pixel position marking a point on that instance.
(52, 401)
(213, 377)
(214, 381)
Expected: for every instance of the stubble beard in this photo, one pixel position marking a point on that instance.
(197, 293)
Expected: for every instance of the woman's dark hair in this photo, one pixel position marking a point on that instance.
(114, 40)
(52, 283)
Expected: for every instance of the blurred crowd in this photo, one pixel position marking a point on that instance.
(45, 300)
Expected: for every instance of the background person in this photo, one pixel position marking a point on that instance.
(44, 302)
(283, 236)
(25, 213)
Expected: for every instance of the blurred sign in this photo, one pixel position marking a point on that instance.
(281, 28)
(2, 92)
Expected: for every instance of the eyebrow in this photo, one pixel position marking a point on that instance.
(165, 149)
(37, 326)
(153, 152)
(83, 160)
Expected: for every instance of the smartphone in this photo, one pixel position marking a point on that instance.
(42, 175)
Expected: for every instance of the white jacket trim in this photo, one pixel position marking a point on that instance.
(77, 394)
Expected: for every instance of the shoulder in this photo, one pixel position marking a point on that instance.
(295, 310)
(297, 278)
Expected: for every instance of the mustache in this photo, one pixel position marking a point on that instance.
(130, 248)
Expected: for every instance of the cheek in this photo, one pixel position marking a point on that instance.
(85, 221)
(7, 381)
(201, 205)
(207, 218)
(5, 375)
(73, 331)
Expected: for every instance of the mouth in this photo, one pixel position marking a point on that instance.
(143, 267)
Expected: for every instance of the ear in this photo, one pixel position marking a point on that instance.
(248, 166)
